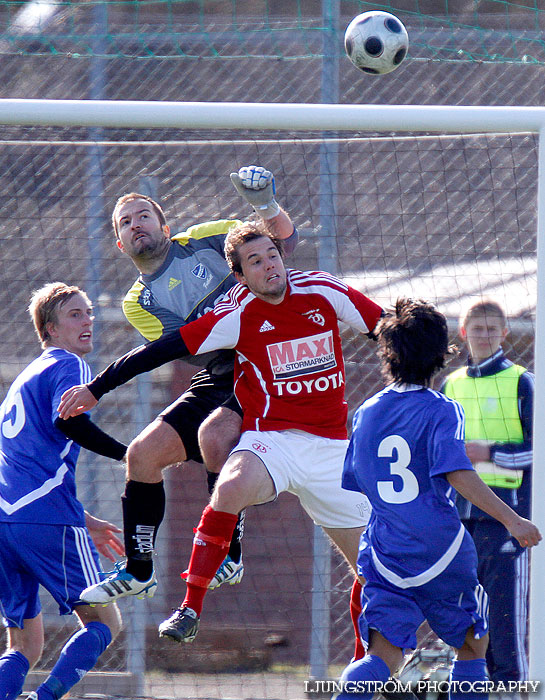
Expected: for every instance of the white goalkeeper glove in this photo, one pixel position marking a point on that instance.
(256, 185)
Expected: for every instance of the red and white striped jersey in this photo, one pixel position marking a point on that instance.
(289, 371)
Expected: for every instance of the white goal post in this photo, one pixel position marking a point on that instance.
(354, 118)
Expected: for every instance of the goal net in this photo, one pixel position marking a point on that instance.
(449, 217)
(394, 221)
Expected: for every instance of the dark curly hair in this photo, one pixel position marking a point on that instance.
(413, 342)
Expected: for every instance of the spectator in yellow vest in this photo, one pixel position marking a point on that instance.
(497, 396)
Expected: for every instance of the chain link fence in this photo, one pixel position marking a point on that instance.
(447, 218)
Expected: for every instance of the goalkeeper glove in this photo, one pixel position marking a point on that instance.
(256, 185)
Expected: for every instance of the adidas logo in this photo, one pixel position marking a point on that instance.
(508, 547)
(266, 327)
(172, 283)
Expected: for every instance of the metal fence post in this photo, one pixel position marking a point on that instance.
(321, 589)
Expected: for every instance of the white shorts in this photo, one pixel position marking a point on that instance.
(310, 467)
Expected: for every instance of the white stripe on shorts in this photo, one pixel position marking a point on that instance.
(87, 560)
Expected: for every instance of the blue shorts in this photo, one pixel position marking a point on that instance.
(61, 558)
(397, 613)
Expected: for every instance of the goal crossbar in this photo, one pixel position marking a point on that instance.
(270, 116)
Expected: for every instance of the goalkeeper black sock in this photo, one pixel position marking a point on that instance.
(235, 550)
(143, 512)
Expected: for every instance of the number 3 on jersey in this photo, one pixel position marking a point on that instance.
(398, 446)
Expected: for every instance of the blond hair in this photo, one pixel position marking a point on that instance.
(44, 304)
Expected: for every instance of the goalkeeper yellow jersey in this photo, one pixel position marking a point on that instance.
(190, 282)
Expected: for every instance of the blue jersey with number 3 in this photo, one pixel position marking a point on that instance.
(37, 461)
(405, 440)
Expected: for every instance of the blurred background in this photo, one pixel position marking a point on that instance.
(450, 218)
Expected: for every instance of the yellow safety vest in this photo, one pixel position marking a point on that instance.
(492, 414)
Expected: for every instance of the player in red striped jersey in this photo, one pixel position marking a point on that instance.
(289, 370)
(289, 379)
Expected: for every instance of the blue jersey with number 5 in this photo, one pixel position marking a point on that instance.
(405, 440)
(37, 461)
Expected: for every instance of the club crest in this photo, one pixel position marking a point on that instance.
(200, 271)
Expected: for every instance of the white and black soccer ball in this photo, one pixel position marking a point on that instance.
(376, 42)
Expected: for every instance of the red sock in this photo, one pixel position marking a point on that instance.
(210, 546)
(355, 612)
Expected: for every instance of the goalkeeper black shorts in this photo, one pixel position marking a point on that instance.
(205, 393)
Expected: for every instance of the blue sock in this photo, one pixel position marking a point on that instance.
(13, 669)
(370, 668)
(470, 671)
(79, 655)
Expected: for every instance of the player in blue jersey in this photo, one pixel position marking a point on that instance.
(47, 537)
(407, 454)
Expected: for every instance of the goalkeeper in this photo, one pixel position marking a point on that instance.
(181, 277)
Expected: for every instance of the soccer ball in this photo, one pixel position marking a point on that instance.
(376, 42)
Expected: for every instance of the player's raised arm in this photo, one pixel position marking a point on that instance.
(257, 186)
(470, 485)
(144, 358)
